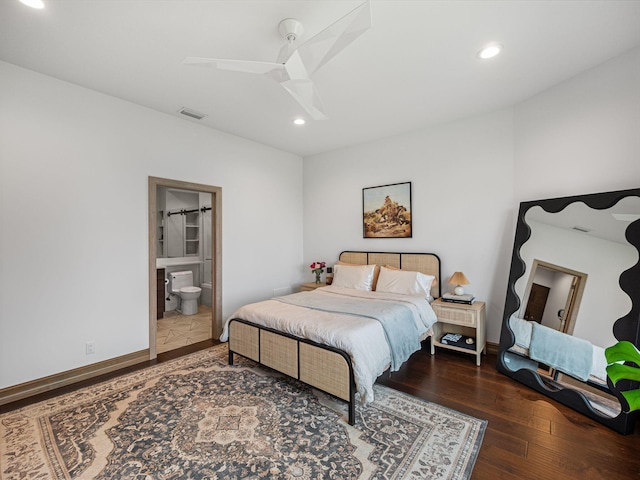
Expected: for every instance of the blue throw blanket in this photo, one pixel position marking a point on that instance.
(564, 352)
(396, 319)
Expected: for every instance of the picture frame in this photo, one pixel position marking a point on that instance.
(386, 211)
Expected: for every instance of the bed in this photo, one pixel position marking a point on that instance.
(329, 338)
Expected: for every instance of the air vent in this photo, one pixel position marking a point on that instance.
(191, 113)
(582, 229)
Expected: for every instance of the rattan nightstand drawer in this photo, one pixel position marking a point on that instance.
(456, 316)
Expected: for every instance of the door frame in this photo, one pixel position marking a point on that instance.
(574, 298)
(216, 254)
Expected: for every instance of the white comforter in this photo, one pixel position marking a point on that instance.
(362, 338)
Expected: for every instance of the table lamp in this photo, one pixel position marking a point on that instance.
(458, 279)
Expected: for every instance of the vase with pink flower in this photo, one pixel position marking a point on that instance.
(318, 268)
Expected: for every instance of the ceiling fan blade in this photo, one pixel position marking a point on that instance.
(322, 47)
(246, 66)
(285, 52)
(305, 93)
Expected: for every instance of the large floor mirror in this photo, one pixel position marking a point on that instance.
(574, 290)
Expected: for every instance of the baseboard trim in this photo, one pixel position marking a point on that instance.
(62, 379)
(492, 348)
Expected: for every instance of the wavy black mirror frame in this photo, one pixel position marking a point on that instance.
(625, 328)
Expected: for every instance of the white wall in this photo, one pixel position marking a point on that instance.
(462, 201)
(468, 177)
(65, 150)
(74, 166)
(581, 136)
(560, 290)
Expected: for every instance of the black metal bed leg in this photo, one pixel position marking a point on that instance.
(352, 413)
(352, 392)
(230, 357)
(352, 400)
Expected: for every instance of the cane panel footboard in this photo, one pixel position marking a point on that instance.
(320, 366)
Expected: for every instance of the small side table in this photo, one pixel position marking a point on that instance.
(468, 320)
(307, 287)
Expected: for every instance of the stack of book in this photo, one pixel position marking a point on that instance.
(467, 298)
(457, 340)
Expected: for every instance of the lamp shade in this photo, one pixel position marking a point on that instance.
(458, 279)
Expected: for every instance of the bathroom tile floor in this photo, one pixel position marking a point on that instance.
(176, 330)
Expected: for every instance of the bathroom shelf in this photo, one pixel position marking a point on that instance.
(192, 234)
(191, 247)
(161, 246)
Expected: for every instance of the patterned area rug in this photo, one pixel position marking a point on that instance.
(198, 418)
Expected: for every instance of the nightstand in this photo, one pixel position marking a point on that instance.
(467, 320)
(307, 287)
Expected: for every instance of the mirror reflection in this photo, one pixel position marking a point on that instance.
(553, 296)
(570, 296)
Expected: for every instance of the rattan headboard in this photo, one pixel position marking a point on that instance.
(427, 263)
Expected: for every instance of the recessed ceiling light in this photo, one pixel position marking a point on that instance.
(299, 121)
(33, 3)
(490, 51)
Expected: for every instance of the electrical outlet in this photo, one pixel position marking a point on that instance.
(90, 348)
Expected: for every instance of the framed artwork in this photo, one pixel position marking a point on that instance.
(386, 211)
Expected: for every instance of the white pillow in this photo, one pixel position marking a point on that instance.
(358, 277)
(405, 282)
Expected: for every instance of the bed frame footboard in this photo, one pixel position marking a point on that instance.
(320, 366)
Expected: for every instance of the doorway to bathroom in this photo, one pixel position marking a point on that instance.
(184, 236)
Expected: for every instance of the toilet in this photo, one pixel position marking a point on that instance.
(181, 284)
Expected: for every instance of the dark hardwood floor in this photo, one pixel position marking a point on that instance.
(528, 435)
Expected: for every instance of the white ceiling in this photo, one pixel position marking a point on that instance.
(583, 220)
(415, 67)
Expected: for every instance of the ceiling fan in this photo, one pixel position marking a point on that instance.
(295, 64)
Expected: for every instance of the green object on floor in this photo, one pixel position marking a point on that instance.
(624, 351)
